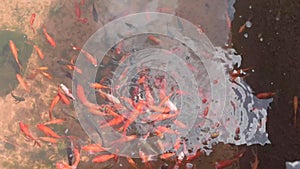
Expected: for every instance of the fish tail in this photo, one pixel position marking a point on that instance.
(50, 115)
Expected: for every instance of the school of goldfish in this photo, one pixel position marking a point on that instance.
(165, 109)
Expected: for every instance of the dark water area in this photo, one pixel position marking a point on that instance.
(276, 60)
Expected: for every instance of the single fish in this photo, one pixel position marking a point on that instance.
(14, 51)
(32, 18)
(23, 83)
(18, 99)
(295, 110)
(49, 38)
(95, 14)
(39, 52)
(103, 158)
(48, 131)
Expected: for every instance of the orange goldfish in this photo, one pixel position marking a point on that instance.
(131, 162)
(23, 83)
(61, 165)
(295, 110)
(77, 11)
(32, 18)
(167, 155)
(89, 57)
(242, 28)
(113, 122)
(265, 95)
(53, 103)
(92, 148)
(48, 139)
(49, 38)
(63, 97)
(98, 86)
(25, 130)
(226, 163)
(103, 158)
(47, 75)
(254, 165)
(39, 51)
(154, 39)
(84, 100)
(54, 121)
(48, 131)
(14, 51)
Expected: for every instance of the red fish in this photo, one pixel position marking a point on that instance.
(48, 139)
(23, 83)
(89, 57)
(154, 39)
(39, 52)
(92, 148)
(226, 163)
(48, 131)
(63, 97)
(119, 48)
(266, 95)
(14, 51)
(54, 121)
(25, 130)
(32, 21)
(53, 103)
(81, 96)
(103, 158)
(167, 155)
(49, 38)
(77, 10)
(61, 165)
(132, 163)
(295, 110)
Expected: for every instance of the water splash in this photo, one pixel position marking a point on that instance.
(156, 57)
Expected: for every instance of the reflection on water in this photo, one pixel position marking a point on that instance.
(73, 23)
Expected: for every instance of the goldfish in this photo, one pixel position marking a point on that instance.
(119, 48)
(179, 124)
(89, 57)
(22, 83)
(32, 18)
(131, 162)
(81, 96)
(164, 129)
(242, 28)
(190, 158)
(53, 103)
(47, 75)
(63, 97)
(109, 97)
(77, 158)
(42, 68)
(48, 139)
(49, 38)
(295, 110)
(77, 11)
(161, 117)
(240, 73)
(54, 121)
(113, 122)
(48, 131)
(98, 86)
(167, 155)
(103, 158)
(254, 165)
(226, 163)
(92, 148)
(154, 39)
(160, 109)
(265, 95)
(61, 165)
(14, 51)
(25, 130)
(67, 91)
(133, 116)
(39, 51)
